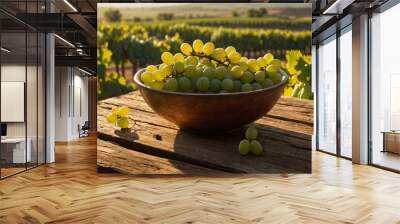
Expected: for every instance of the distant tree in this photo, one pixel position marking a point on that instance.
(235, 14)
(113, 15)
(261, 12)
(137, 19)
(165, 16)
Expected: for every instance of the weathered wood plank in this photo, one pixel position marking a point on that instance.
(285, 133)
(132, 162)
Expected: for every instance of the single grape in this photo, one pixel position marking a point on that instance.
(198, 46)
(227, 85)
(275, 77)
(191, 60)
(171, 85)
(247, 77)
(158, 75)
(179, 67)
(190, 70)
(234, 57)
(220, 72)
(247, 87)
(167, 70)
(203, 83)
(209, 72)
(208, 48)
(276, 62)
(237, 86)
(268, 58)
(251, 133)
(230, 49)
(236, 71)
(186, 49)
(261, 62)
(151, 68)
(193, 82)
(205, 61)
(147, 77)
(167, 58)
(267, 83)
(256, 147)
(112, 118)
(244, 147)
(272, 69)
(215, 85)
(157, 85)
(219, 54)
(123, 122)
(179, 57)
(253, 65)
(256, 86)
(244, 59)
(243, 65)
(184, 83)
(259, 76)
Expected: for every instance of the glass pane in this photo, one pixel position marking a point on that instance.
(13, 86)
(327, 96)
(41, 98)
(385, 84)
(346, 94)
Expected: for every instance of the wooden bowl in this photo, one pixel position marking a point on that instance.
(211, 112)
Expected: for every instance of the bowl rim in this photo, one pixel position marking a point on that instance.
(142, 85)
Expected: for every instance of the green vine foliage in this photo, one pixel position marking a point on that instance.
(299, 68)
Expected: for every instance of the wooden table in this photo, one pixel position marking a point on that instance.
(157, 146)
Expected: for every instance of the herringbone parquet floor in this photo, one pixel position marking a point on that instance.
(71, 191)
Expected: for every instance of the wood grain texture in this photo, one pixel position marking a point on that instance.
(285, 133)
(71, 191)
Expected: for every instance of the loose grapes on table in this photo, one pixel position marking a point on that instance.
(205, 68)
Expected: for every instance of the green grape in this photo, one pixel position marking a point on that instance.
(163, 65)
(209, 72)
(158, 75)
(259, 76)
(234, 57)
(256, 147)
(236, 71)
(199, 70)
(123, 122)
(261, 62)
(251, 133)
(219, 54)
(276, 62)
(157, 85)
(179, 57)
(186, 49)
(247, 87)
(203, 83)
(167, 70)
(230, 49)
(190, 70)
(244, 59)
(244, 147)
(193, 82)
(191, 60)
(184, 83)
(215, 85)
(205, 61)
(112, 118)
(267, 83)
(272, 69)
(198, 46)
(247, 77)
(167, 58)
(237, 86)
(275, 77)
(227, 85)
(243, 65)
(229, 76)
(179, 67)
(151, 68)
(268, 58)
(220, 72)
(146, 77)
(208, 48)
(253, 65)
(256, 86)
(171, 85)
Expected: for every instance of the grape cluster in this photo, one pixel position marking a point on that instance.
(250, 143)
(203, 68)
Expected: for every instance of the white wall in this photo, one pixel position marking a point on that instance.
(71, 94)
